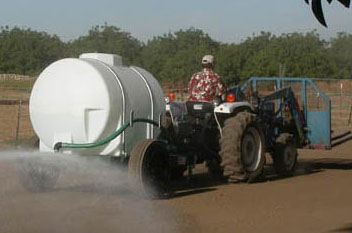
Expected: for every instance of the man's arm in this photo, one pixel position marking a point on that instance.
(220, 87)
(191, 85)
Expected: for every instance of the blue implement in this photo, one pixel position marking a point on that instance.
(317, 121)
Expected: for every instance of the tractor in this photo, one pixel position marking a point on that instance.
(231, 135)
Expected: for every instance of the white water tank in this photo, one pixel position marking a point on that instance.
(85, 100)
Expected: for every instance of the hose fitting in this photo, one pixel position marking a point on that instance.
(57, 146)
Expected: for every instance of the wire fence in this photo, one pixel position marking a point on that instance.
(16, 128)
(15, 125)
(340, 94)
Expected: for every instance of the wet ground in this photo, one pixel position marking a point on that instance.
(91, 196)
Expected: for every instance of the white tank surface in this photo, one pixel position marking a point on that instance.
(87, 99)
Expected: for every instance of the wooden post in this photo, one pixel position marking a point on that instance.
(349, 118)
(18, 121)
(341, 86)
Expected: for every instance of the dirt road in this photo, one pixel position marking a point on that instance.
(95, 198)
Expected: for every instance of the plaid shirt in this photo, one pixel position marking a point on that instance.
(205, 86)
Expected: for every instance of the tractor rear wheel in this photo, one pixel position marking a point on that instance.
(242, 148)
(285, 156)
(149, 170)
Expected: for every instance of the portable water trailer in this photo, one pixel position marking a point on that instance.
(85, 100)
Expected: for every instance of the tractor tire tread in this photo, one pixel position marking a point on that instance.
(230, 144)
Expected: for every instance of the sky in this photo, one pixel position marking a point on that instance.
(228, 21)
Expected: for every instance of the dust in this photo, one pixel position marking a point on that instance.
(75, 194)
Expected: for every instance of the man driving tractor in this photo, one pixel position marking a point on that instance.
(206, 85)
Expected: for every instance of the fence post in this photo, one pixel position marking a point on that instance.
(341, 86)
(349, 118)
(18, 121)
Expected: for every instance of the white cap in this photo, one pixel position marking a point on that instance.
(208, 59)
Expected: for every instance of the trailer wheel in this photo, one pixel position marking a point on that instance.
(148, 169)
(37, 174)
(176, 173)
(242, 148)
(285, 159)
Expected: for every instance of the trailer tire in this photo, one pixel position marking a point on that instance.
(149, 170)
(242, 148)
(177, 172)
(285, 155)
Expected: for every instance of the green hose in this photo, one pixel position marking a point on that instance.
(64, 145)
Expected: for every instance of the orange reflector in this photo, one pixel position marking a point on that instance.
(230, 98)
(171, 97)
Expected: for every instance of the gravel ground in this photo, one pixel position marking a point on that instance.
(93, 197)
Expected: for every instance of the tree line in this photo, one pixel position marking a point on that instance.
(174, 57)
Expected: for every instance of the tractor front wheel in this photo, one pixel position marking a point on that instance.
(285, 156)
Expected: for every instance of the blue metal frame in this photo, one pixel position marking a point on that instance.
(317, 122)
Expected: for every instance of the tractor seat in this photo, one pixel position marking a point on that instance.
(199, 109)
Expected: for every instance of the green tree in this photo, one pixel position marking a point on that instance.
(340, 53)
(229, 63)
(235, 61)
(176, 56)
(108, 39)
(27, 52)
(290, 55)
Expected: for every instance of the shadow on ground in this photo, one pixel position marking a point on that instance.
(195, 184)
(311, 166)
(347, 228)
(203, 182)
(327, 163)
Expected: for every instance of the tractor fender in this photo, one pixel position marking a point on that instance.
(229, 108)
